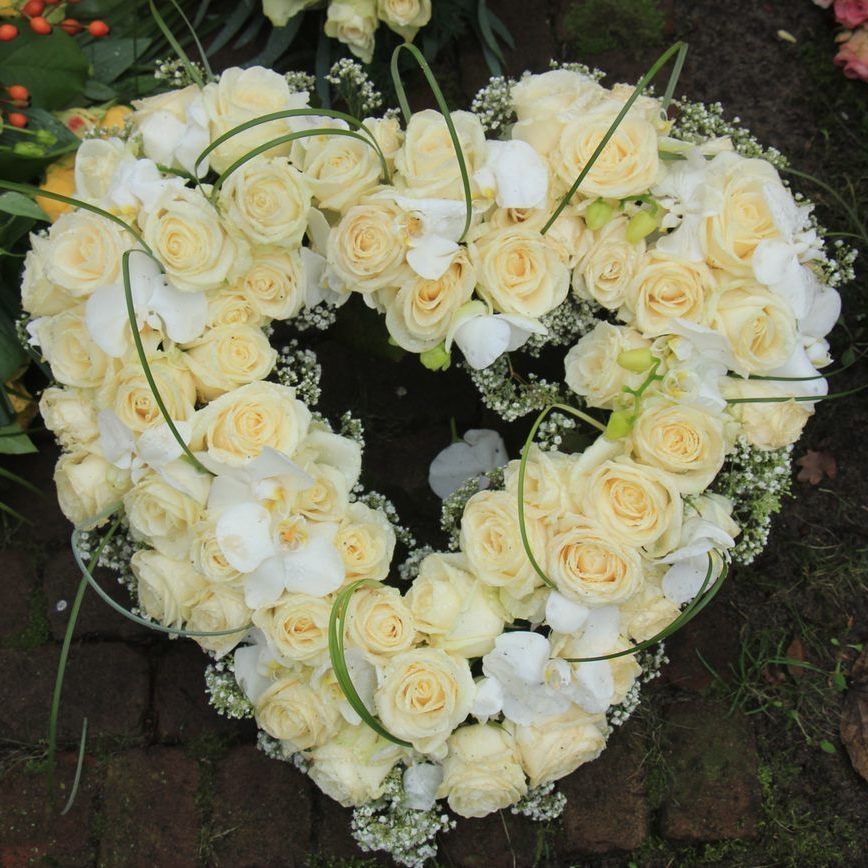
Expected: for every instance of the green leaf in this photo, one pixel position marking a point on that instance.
(20, 205)
(97, 91)
(112, 57)
(827, 746)
(11, 353)
(53, 68)
(13, 441)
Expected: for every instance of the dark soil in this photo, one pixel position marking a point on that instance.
(733, 758)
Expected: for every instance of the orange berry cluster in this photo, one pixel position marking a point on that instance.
(19, 97)
(39, 16)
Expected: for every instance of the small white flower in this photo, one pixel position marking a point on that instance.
(480, 452)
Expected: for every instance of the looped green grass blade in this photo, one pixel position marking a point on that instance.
(339, 661)
(798, 398)
(78, 768)
(679, 48)
(444, 110)
(296, 113)
(291, 137)
(189, 66)
(522, 473)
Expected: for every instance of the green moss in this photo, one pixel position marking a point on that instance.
(602, 25)
(37, 630)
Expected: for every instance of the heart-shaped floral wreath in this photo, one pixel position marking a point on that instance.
(692, 287)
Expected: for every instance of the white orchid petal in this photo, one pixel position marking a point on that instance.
(481, 452)
(593, 686)
(116, 440)
(517, 175)
(107, 320)
(421, 782)
(248, 670)
(431, 257)
(488, 699)
(601, 632)
(265, 584)
(563, 615)
(684, 579)
(822, 315)
(244, 536)
(800, 365)
(483, 339)
(157, 446)
(316, 568)
(271, 463)
(184, 314)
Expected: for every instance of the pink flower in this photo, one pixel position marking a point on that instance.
(853, 55)
(851, 13)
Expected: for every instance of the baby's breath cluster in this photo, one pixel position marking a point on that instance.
(581, 68)
(320, 317)
(300, 82)
(651, 662)
(542, 804)
(408, 836)
(565, 324)
(175, 72)
(756, 481)
(409, 569)
(550, 435)
(355, 87)
(353, 428)
(299, 369)
(493, 104)
(223, 690)
(510, 397)
(380, 502)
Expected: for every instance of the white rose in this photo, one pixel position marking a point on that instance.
(208, 558)
(685, 441)
(237, 426)
(555, 748)
(366, 250)
(592, 368)
(340, 170)
(70, 415)
(453, 608)
(482, 772)
(629, 164)
(39, 296)
(128, 393)
(768, 425)
(405, 17)
(87, 485)
(188, 237)
(227, 357)
(297, 627)
(759, 325)
(668, 289)
(267, 199)
(519, 272)
(423, 695)
(163, 516)
(605, 272)
(380, 622)
(366, 541)
(275, 282)
(589, 567)
(491, 539)
(167, 588)
(240, 95)
(352, 766)
(419, 316)
(279, 12)
(427, 164)
(217, 609)
(84, 252)
(353, 22)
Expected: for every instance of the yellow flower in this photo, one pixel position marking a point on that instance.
(59, 178)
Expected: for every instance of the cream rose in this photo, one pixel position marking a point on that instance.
(340, 170)
(423, 695)
(69, 349)
(39, 296)
(606, 271)
(629, 164)
(683, 440)
(328, 498)
(84, 252)
(352, 766)
(275, 282)
(767, 424)
(637, 505)
(388, 135)
(297, 627)
(405, 17)
(745, 218)
(427, 164)
(128, 393)
(649, 612)
(454, 610)
(380, 622)
(208, 558)
(759, 325)
(217, 609)
(491, 539)
(267, 199)
(568, 236)
(240, 95)
(555, 748)
(419, 316)
(70, 415)
(519, 272)
(366, 250)
(353, 22)
(236, 427)
(227, 357)
(589, 567)
(592, 368)
(366, 542)
(87, 485)
(188, 237)
(229, 306)
(164, 516)
(166, 588)
(546, 484)
(290, 710)
(482, 772)
(668, 289)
